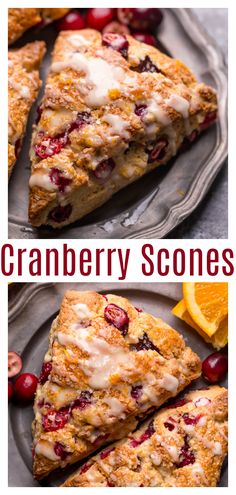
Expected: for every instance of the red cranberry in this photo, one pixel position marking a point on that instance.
(145, 38)
(39, 111)
(18, 145)
(158, 151)
(106, 453)
(99, 18)
(144, 343)
(209, 119)
(117, 317)
(170, 424)
(25, 387)
(73, 20)
(45, 372)
(140, 18)
(116, 27)
(136, 392)
(191, 420)
(188, 140)
(104, 169)
(135, 442)
(110, 483)
(55, 420)
(85, 467)
(215, 367)
(83, 401)
(10, 391)
(14, 364)
(178, 403)
(58, 179)
(186, 455)
(50, 146)
(202, 402)
(60, 451)
(82, 119)
(60, 213)
(100, 439)
(140, 110)
(146, 65)
(139, 310)
(117, 42)
(105, 297)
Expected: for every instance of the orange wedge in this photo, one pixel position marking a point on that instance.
(219, 339)
(207, 304)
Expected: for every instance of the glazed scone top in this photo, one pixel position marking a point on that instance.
(103, 93)
(182, 445)
(103, 374)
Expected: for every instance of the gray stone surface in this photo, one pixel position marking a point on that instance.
(210, 219)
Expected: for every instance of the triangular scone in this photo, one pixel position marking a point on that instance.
(19, 20)
(183, 445)
(23, 87)
(108, 365)
(113, 110)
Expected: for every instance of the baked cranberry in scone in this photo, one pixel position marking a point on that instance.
(184, 448)
(132, 110)
(107, 365)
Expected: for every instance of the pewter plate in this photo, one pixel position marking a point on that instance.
(31, 311)
(158, 202)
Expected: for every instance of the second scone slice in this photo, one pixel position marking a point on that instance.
(113, 110)
(107, 366)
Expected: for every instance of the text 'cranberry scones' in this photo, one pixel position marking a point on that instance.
(113, 110)
(107, 366)
(23, 87)
(19, 20)
(183, 445)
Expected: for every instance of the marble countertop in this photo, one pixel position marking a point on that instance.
(210, 219)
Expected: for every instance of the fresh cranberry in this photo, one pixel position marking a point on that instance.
(60, 213)
(99, 18)
(170, 424)
(83, 401)
(117, 42)
(209, 119)
(136, 392)
(73, 21)
(85, 467)
(104, 169)
(10, 390)
(58, 179)
(117, 317)
(140, 18)
(145, 38)
(116, 27)
(18, 145)
(158, 151)
(186, 455)
(140, 110)
(135, 442)
(49, 146)
(191, 420)
(215, 367)
(146, 65)
(144, 343)
(178, 403)
(14, 364)
(45, 372)
(60, 451)
(25, 387)
(106, 453)
(100, 439)
(55, 420)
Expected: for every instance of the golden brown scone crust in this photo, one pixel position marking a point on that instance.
(23, 87)
(91, 129)
(103, 379)
(181, 446)
(19, 20)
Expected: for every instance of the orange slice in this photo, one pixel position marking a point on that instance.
(218, 340)
(207, 304)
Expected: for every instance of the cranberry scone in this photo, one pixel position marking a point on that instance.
(19, 20)
(108, 365)
(183, 445)
(23, 86)
(113, 110)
